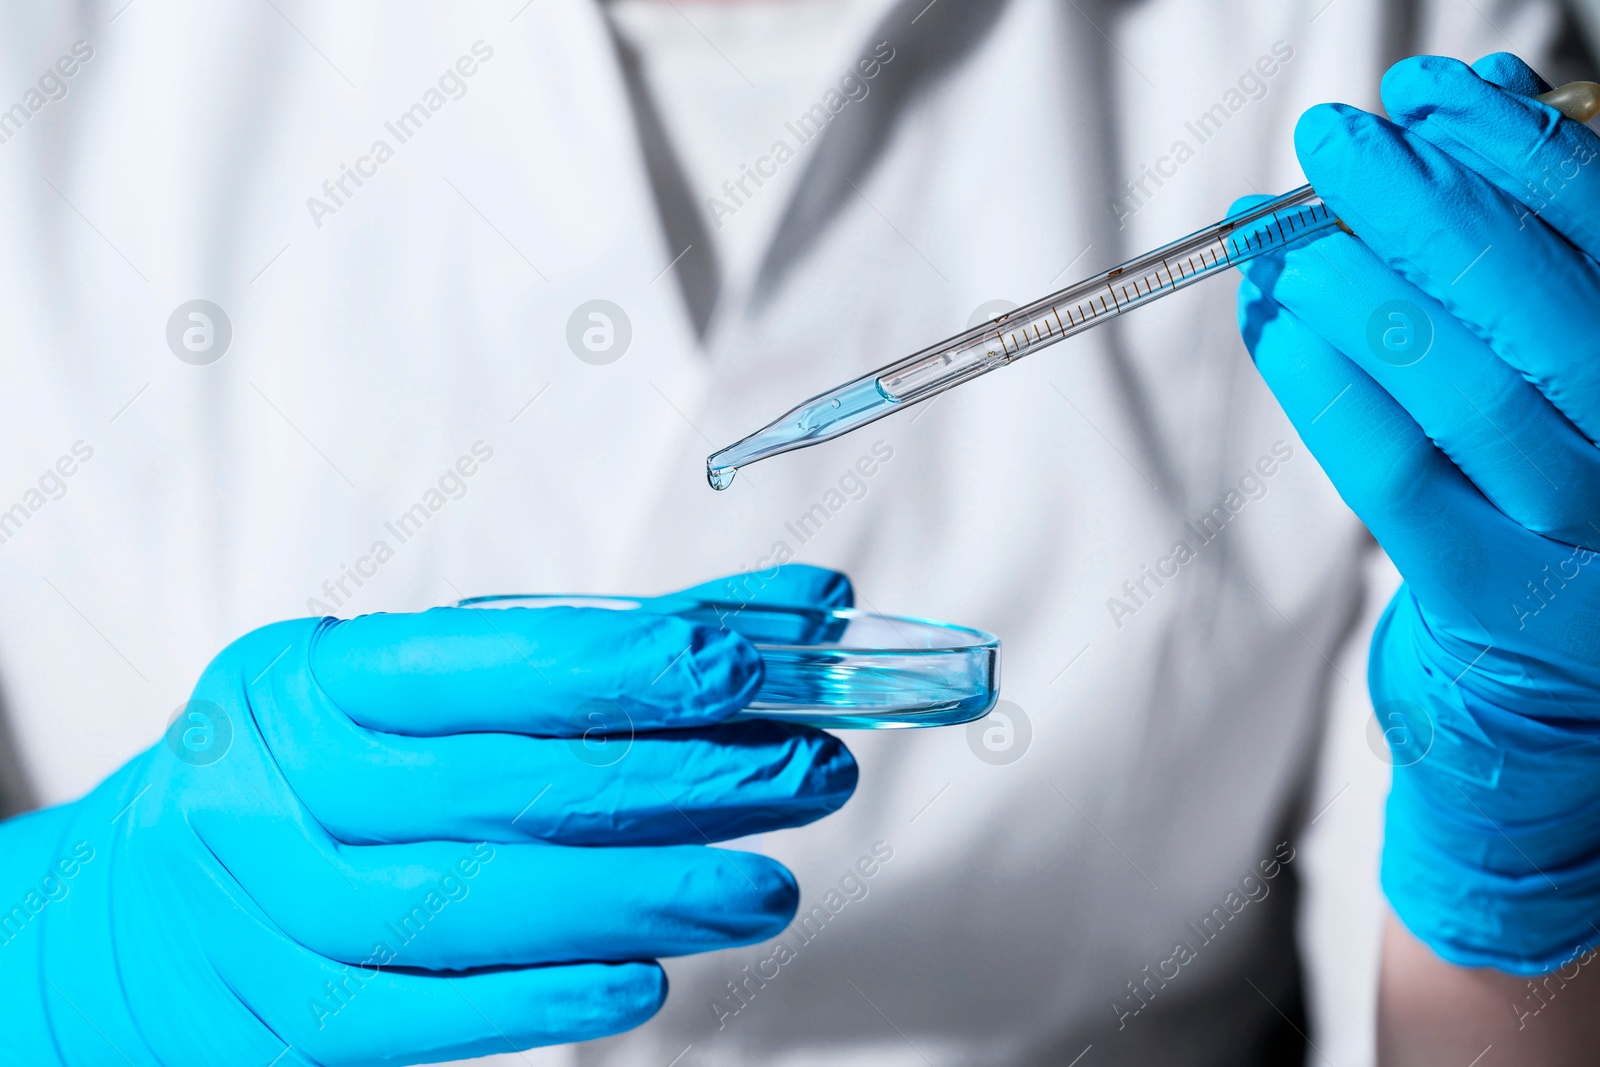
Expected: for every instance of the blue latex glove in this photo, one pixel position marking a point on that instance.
(1444, 368)
(399, 839)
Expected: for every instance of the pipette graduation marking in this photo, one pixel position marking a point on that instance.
(1237, 239)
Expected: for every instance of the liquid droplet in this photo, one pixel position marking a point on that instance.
(835, 401)
(721, 477)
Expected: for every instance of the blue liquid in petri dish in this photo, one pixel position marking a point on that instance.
(858, 670)
(844, 692)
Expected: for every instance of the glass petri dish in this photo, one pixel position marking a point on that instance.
(834, 668)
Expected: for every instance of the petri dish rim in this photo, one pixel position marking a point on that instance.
(980, 639)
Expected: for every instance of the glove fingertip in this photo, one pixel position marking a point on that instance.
(788, 584)
(805, 584)
(1414, 89)
(781, 897)
(836, 772)
(838, 591)
(727, 668)
(760, 894)
(1325, 128)
(1411, 88)
(649, 986)
(629, 994)
(1506, 71)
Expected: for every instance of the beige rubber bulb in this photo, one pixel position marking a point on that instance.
(1579, 101)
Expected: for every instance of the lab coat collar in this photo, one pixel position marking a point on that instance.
(930, 40)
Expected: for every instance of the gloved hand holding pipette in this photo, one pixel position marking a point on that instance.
(400, 839)
(1444, 367)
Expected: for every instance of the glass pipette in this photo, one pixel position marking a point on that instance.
(1237, 239)
(1024, 331)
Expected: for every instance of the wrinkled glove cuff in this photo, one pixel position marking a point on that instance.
(1492, 844)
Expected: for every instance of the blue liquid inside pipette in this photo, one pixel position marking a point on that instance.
(818, 419)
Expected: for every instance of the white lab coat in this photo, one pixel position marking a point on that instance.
(1174, 746)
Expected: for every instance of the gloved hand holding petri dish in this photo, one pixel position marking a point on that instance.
(395, 839)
